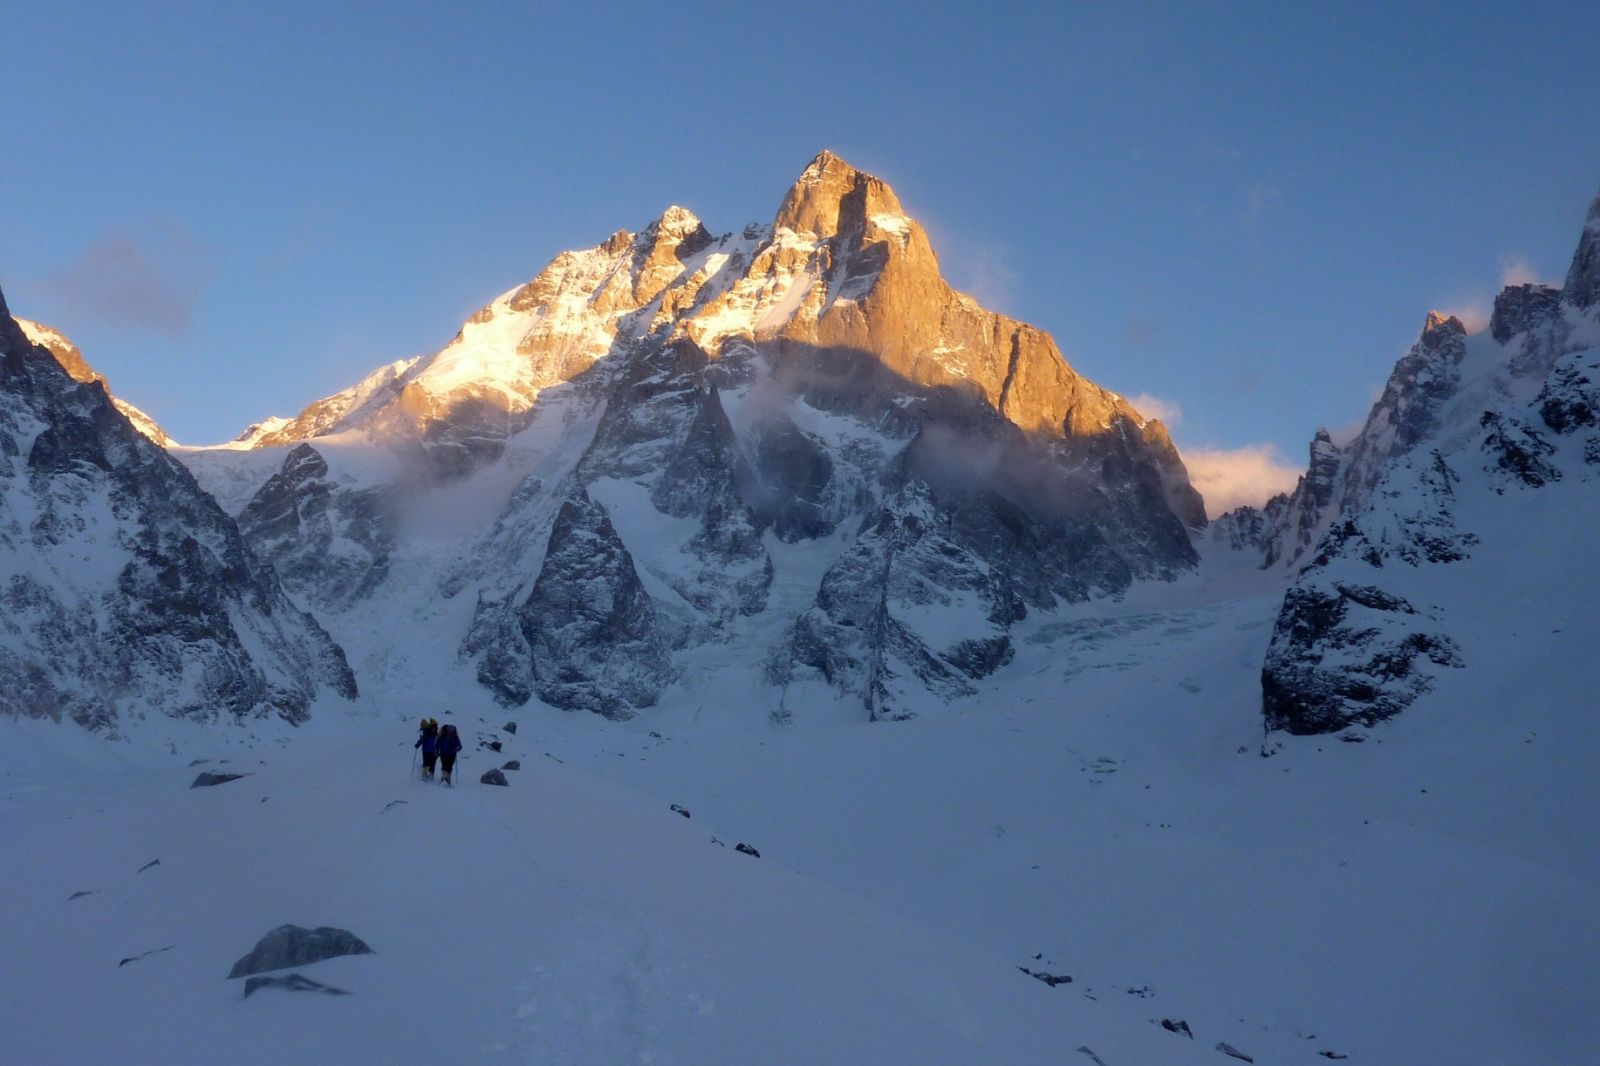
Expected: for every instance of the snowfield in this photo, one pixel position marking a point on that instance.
(1105, 810)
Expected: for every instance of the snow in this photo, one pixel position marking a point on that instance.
(1103, 803)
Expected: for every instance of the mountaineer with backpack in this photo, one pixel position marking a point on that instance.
(429, 743)
(449, 745)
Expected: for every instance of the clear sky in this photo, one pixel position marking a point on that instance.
(1241, 211)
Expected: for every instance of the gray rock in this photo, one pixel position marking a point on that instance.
(206, 778)
(329, 544)
(291, 945)
(588, 636)
(291, 982)
(511, 727)
(514, 764)
(1520, 308)
(1233, 1052)
(494, 777)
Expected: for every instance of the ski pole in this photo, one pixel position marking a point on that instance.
(413, 762)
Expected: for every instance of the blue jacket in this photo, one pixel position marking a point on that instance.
(449, 744)
(428, 742)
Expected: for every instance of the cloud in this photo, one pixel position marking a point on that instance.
(985, 272)
(1516, 270)
(1473, 314)
(1230, 478)
(1155, 407)
(1140, 333)
(146, 278)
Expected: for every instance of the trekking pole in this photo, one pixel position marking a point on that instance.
(413, 762)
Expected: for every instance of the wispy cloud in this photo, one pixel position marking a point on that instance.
(1140, 332)
(1155, 407)
(147, 278)
(985, 271)
(1474, 314)
(1230, 478)
(1516, 270)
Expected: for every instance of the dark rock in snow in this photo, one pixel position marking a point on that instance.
(291, 982)
(1517, 451)
(511, 727)
(1096, 1059)
(1233, 1052)
(206, 779)
(748, 850)
(291, 945)
(145, 954)
(1179, 1026)
(680, 810)
(81, 894)
(494, 777)
(1051, 979)
(392, 803)
(493, 745)
(514, 764)
(146, 866)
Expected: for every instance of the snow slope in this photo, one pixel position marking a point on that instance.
(1105, 804)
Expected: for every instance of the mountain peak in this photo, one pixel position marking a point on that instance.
(817, 202)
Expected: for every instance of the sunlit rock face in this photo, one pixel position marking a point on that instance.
(1462, 421)
(124, 588)
(727, 399)
(77, 367)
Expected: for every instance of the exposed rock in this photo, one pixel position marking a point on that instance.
(145, 954)
(1521, 308)
(1051, 979)
(1348, 654)
(1233, 1052)
(1177, 1027)
(494, 777)
(511, 727)
(77, 367)
(290, 982)
(588, 631)
(206, 779)
(330, 544)
(1518, 453)
(291, 945)
(747, 850)
(514, 764)
(1583, 277)
(152, 862)
(680, 810)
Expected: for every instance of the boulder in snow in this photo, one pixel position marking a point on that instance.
(207, 779)
(494, 777)
(291, 945)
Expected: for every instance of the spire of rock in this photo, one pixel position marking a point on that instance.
(1583, 280)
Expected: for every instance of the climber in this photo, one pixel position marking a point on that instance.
(429, 743)
(449, 745)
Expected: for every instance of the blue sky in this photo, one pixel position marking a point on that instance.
(1243, 211)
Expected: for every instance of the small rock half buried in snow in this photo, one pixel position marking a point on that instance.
(748, 850)
(514, 764)
(293, 982)
(511, 727)
(494, 777)
(290, 945)
(1233, 1052)
(207, 778)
